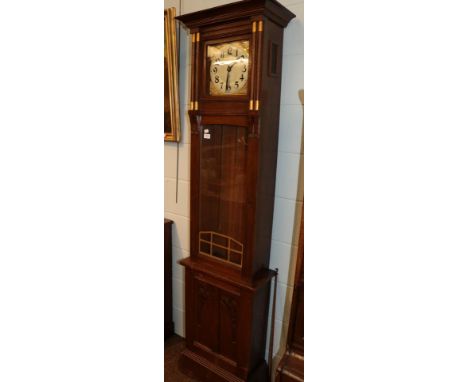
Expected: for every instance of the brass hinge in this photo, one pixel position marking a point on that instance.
(196, 105)
(257, 104)
(251, 105)
(191, 105)
(193, 37)
(260, 26)
(254, 26)
(198, 36)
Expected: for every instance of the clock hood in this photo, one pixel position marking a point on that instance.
(271, 9)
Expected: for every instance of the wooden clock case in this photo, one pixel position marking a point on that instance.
(232, 192)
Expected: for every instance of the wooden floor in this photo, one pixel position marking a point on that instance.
(172, 349)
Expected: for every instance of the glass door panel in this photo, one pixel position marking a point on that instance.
(223, 165)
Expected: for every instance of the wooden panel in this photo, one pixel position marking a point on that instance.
(259, 323)
(270, 97)
(206, 315)
(217, 283)
(230, 29)
(228, 325)
(237, 11)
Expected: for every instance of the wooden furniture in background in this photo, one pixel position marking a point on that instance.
(291, 366)
(234, 118)
(168, 323)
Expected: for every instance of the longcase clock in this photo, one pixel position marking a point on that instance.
(234, 115)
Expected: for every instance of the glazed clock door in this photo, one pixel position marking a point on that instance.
(222, 203)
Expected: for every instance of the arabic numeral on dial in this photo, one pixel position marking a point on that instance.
(242, 77)
(229, 51)
(221, 85)
(245, 68)
(215, 69)
(217, 79)
(237, 84)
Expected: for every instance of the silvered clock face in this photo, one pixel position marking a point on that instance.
(229, 68)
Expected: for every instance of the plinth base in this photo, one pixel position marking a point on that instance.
(196, 366)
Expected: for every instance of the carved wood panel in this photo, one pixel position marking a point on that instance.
(217, 321)
(206, 325)
(228, 325)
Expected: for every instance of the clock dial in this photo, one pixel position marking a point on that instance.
(229, 68)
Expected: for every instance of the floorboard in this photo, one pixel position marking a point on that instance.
(173, 347)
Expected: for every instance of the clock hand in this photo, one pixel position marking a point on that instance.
(227, 79)
(230, 66)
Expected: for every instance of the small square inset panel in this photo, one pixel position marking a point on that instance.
(236, 258)
(220, 241)
(228, 65)
(205, 248)
(220, 252)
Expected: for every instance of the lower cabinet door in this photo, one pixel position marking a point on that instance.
(206, 315)
(216, 322)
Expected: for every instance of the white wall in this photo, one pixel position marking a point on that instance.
(289, 178)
